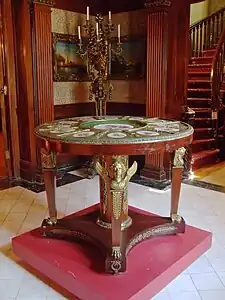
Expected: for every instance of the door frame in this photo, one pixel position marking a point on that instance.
(9, 82)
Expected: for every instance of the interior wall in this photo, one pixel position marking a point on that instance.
(199, 11)
(125, 91)
(215, 5)
(130, 91)
(66, 22)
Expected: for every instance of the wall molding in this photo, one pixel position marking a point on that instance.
(157, 3)
(45, 2)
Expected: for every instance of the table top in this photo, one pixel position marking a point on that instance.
(113, 130)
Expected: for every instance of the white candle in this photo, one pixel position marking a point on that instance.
(97, 29)
(87, 13)
(79, 33)
(110, 16)
(119, 32)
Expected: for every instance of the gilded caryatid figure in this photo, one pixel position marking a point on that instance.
(117, 176)
(178, 161)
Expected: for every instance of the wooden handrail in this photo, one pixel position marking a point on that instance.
(205, 34)
(207, 18)
(218, 73)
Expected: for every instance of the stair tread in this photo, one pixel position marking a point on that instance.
(204, 153)
(199, 72)
(203, 119)
(199, 90)
(198, 99)
(203, 128)
(199, 80)
(202, 109)
(200, 57)
(203, 141)
(200, 65)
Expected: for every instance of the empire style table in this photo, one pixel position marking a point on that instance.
(114, 227)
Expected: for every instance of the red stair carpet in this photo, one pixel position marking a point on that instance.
(205, 148)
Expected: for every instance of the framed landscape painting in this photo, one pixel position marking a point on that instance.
(68, 65)
(131, 62)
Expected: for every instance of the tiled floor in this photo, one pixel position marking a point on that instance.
(22, 210)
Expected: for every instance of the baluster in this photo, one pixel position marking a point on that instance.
(205, 36)
(193, 42)
(208, 37)
(218, 32)
(213, 33)
(197, 41)
(200, 40)
(221, 21)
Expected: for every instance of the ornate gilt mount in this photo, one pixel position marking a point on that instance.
(117, 176)
(176, 218)
(48, 159)
(157, 3)
(178, 161)
(116, 264)
(46, 2)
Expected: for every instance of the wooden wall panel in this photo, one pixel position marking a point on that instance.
(157, 46)
(10, 81)
(25, 93)
(43, 63)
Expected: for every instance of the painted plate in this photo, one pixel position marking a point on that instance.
(147, 133)
(116, 135)
(113, 127)
(82, 134)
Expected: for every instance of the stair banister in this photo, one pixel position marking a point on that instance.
(204, 34)
(218, 73)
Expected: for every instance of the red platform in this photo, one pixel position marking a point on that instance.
(151, 265)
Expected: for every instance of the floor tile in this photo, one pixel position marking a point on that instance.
(202, 265)
(212, 295)
(185, 296)
(22, 210)
(182, 283)
(207, 281)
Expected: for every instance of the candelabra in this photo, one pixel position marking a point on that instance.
(98, 51)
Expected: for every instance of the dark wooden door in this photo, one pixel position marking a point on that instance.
(3, 113)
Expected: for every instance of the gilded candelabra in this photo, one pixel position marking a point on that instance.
(99, 52)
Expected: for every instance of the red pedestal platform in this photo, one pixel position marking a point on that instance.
(76, 267)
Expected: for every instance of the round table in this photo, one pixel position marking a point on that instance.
(113, 227)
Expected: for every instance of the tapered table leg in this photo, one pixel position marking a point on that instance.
(115, 176)
(177, 171)
(49, 173)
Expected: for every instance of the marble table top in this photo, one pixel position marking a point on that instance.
(113, 130)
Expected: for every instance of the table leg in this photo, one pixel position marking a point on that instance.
(49, 172)
(115, 176)
(177, 171)
(105, 217)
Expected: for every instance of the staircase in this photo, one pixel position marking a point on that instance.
(206, 88)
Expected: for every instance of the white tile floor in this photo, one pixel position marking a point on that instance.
(22, 210)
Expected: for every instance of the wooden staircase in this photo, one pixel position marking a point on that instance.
(205, 147)
(201, 96)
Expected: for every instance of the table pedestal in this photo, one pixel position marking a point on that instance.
(113, 228)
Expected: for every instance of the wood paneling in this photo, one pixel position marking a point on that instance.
(88, 109)
(10, 82)
(43, 63)
(167, 63)
(25, 92)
